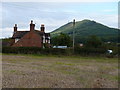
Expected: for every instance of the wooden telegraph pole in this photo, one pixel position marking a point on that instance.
(73, 34)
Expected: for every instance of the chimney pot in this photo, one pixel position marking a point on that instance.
(42, 28)
(15, 25)
(31, 21)
(32, 26)
(15, 28)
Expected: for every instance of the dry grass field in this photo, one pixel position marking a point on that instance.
(30, 71)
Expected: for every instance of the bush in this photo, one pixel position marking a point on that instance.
(55, 51)
(90, 51)
(33, 50)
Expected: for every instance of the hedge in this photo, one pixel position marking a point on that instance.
(33, 50)
(54, 51)
(90, 51)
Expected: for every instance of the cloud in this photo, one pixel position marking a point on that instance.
(6, 32)
(54, 15)
(109, 10)
(50, 23)
(109, 20)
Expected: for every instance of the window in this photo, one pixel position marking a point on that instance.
(43, 39)
(16, 40)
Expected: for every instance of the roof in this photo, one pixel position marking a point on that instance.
(47, 34)
(39, 32)
(20, 34)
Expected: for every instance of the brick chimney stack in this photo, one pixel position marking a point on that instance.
(42, 28)
(32, 26)
(15, 28)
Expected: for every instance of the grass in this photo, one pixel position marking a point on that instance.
(37, 71)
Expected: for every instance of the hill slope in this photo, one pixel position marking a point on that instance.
(86, 28)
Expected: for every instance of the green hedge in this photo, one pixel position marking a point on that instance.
(54, 51)
(33, 50)
(57, 51)
(90, 51)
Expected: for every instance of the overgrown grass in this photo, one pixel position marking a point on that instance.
(71, 57)
(36, 71)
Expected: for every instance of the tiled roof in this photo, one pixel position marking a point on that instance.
(47, 34)
(20, 34)
(39, 32)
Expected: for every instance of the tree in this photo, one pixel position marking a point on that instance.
(94, 42)
(62, 40)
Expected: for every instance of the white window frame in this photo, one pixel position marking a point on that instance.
(16, 40)
(43, 39)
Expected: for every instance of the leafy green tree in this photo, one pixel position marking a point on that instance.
(62, 40)
(94, 42)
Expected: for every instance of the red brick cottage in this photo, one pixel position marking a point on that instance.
(32, 38)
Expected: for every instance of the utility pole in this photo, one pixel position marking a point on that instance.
(73, 34)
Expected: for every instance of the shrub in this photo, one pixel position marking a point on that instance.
(55, 51)
(90, 51)
(33, 50)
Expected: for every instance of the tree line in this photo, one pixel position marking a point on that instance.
(92, 46)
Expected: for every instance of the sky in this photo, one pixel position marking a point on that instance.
(55, 14)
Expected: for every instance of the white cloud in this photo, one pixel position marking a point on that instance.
(6, 32)
(50, 24)
(0, 33)
(52, 16)
(109, 20)
(109, 10)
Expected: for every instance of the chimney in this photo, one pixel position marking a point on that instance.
(42, 28)
(15, 28)
(32, 26)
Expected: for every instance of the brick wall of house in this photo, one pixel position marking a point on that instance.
(31, 39)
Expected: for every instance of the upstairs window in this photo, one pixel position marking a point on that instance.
(16, 40)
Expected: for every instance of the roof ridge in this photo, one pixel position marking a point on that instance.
(22, 31)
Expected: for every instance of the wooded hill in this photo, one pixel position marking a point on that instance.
(85, 28)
